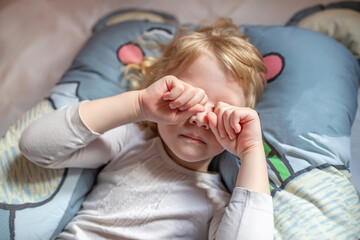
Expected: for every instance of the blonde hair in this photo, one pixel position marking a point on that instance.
(226, 42)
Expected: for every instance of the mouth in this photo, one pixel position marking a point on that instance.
(192, 138)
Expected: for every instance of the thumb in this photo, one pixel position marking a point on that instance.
(175, 87)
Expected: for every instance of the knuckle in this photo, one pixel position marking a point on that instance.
(217, 106)
(177, 102)
(228, 112)
(201, 92)
(193, 91)
(217, 111)
(170, 76)
(181, 88)
(189, 104)
(204, 99)
(223, 103)
(233, 116)
(253, 112)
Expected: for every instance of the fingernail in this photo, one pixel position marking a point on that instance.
(181, 108)
(231, 137)
(172, 106)
(222, 134)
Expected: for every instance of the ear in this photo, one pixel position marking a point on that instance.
(275, 63)
(130, 53)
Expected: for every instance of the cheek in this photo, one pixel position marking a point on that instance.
(237, 96)
(166, 131)
(161, 130)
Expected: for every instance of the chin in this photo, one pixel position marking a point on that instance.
(194, 155)
(193, 158)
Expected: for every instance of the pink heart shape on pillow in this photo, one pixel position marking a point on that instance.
(130, 54)
(275, 63)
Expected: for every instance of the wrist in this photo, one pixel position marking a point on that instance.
(253, 173)
(257, 149)
(139, 108)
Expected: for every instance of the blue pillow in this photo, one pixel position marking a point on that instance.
(306, 111)
(97, 70)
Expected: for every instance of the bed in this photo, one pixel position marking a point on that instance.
(47, 58)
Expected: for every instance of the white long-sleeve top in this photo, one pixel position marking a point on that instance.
(141, 193)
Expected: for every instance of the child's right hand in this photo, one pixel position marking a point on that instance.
(170, 100)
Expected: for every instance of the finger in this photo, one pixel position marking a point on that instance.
(182, 99)
(220, 124)
(235, 121)
(226, 123)
(174, 86)
(193, 110)
(204, 100)
(196, 109)
(199, 97)
(183, 115)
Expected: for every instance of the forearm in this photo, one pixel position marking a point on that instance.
(104, 114)
(253, 171)
(60, 139)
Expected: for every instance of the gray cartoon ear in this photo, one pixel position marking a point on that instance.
(65, 93)
(132, 52)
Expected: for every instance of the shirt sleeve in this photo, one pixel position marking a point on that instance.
(249, 216)
(61, 139)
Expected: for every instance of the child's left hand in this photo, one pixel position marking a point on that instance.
(237, 129)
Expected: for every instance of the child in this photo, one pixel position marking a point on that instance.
(155, 185)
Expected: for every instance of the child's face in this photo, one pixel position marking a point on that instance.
(191, 143)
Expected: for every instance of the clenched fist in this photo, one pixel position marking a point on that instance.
(237, 129)
(170, 101)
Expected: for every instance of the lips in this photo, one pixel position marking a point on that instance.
(193, 138)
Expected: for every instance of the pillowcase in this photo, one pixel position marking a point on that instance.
(340, 24)
(45, 199)
(339, 21)
(306, 112)
(97, 70)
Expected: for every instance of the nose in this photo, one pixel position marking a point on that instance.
(200, 119)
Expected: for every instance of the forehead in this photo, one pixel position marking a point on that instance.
(207, 73)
